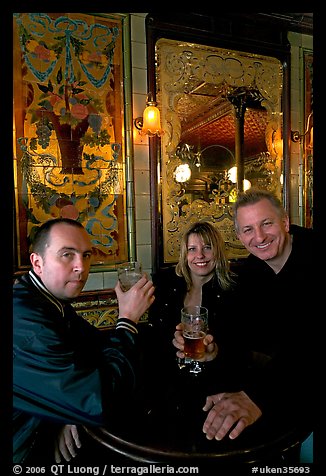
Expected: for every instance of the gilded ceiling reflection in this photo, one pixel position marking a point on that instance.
(221, 111)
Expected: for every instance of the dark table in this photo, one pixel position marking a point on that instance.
(165, 426)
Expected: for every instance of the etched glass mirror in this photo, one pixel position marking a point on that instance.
(222, 116)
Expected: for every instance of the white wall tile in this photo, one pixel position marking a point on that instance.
(143, 232)
(138, 104)
(137, 25)
(141, 182)
(95, 281)
(141, 157)
(139, 81)
(110, 279)
(138, 51)
(143, 208)
(144, 255)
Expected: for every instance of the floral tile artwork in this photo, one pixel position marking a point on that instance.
(68, 125)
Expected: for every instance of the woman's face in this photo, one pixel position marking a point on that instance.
(200, 257)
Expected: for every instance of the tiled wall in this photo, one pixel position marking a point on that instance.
(100, 308)
(141, 158)
(141, 155)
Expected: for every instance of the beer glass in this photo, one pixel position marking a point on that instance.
(195, 325)
(129, 273)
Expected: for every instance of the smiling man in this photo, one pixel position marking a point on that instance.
(263, 226)
(277, 289)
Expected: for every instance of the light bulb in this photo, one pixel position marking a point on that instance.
(182, 173)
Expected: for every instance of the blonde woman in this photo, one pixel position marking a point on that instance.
(202, 277)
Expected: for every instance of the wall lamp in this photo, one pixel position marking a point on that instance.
(150, 122)
(297, 137)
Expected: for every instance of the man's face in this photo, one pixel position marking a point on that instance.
(262, 231)
(65, 266)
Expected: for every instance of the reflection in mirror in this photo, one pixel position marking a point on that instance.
(221, 111)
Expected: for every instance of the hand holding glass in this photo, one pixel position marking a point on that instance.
(195, 326)
(129, 273)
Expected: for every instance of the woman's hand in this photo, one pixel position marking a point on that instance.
(66, 443)
(211, 348)
(227, 410)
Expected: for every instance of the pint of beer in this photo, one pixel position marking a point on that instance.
(195, 323)
(194, 345)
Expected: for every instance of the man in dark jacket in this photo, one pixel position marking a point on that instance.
(275, 321)
(65, 371)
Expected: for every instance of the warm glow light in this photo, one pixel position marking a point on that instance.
(246, 184)
(233, 174)
(278, 147)
(151, 121)
(311, 142)
(182, 173)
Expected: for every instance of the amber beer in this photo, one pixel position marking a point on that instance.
(195, 323)
(194, 347)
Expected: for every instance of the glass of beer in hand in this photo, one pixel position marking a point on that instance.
(129, 273)
(195, 325)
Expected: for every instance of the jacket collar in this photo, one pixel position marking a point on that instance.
(44, 291)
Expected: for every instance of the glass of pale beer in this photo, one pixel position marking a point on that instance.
(129, 273)
(195, 326)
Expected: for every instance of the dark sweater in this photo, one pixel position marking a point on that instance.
(278, 320)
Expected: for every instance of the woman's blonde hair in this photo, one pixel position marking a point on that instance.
(210, 236)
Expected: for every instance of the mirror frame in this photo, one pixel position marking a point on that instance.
(233, 31)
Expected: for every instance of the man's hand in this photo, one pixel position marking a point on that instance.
(227, 410)
(211, 349)
(66, 443)
(134, 302)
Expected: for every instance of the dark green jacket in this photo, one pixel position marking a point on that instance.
(64, 369)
